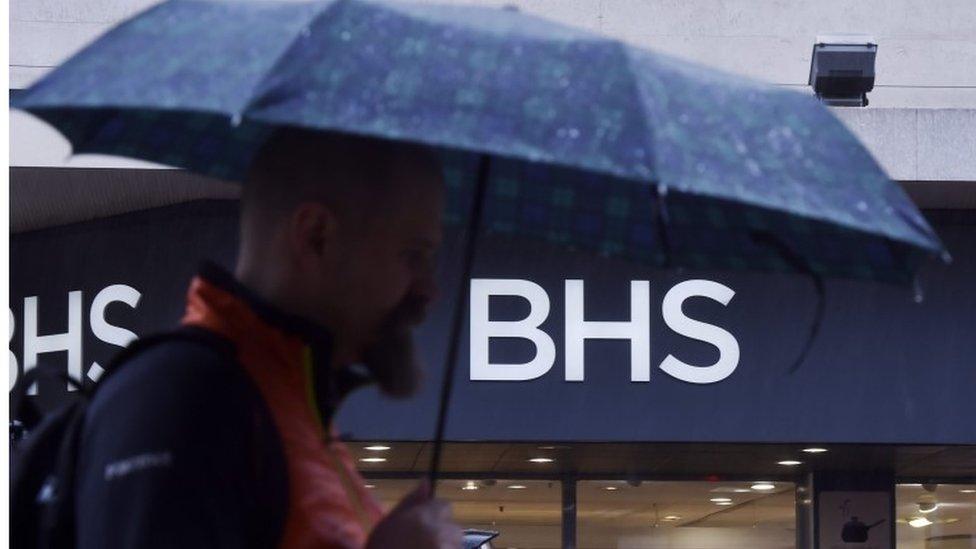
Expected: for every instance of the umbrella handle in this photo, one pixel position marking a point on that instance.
(464, 290)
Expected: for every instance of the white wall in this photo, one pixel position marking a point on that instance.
(926, 59)
(921, 124)
(926, 55)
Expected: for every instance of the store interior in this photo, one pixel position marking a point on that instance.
(517, 491)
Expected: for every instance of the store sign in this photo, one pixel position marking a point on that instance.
(578, 330)
(559, 346)
(70, 341)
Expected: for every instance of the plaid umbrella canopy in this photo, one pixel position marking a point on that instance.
(551, 132)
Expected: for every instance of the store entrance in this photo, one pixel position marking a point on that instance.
(617, 514)
(673, 496)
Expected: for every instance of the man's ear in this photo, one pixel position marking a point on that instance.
(312, 229)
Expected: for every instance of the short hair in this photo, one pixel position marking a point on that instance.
(296, 165)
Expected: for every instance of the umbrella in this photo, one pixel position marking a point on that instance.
(575, 139)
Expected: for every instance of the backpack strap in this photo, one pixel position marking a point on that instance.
(24, 411)
(185, 333)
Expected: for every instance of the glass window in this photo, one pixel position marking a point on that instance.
(936, 516)
(693, 515)
(527, 514)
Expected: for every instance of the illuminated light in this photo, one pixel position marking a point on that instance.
(610, 488)
(911, 485)
(672, 518)
(741, 490)
(377, 448)
(724, 503)
(927, 507)
(814, 450)
(720, 500)
(789, 462)
(470, 486)
(967, 491)
(370, 486)
(372, 460)
(763, 486)
(919, 522)
(542, 460)
(517, 487)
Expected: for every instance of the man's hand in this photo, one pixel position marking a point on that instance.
(417, 522)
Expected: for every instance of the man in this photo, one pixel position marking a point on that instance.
(223, 437)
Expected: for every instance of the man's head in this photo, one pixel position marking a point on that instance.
(343, 231)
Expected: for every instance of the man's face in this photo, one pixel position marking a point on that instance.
(385, 277)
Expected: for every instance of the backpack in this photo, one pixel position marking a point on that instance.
(42, 503)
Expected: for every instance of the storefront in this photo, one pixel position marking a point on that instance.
(606, 404)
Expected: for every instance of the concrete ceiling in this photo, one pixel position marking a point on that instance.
(42, 197)
(49, 197)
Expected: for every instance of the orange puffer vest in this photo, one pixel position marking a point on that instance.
(328, 504)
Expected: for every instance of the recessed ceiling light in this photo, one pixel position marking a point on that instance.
(377, 448)
(470, 486)
(541, 460)
(927, 506)
(762, 486)
(789, 462)
(720, 500)
(741, 490)
(814, 450)
(610, 488)
(370, 486)
(967, 491)
(919, 522)
(372, 460)
(671, 518)
(723, 503)
(517, 487)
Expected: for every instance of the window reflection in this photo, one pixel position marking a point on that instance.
(527, 514)
(677, 515)
(936, 516)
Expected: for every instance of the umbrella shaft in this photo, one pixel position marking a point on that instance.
(459, 307)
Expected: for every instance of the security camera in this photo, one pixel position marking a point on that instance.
(842, 69)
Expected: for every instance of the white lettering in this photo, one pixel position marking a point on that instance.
(12, 364)
(69, 341)
(483, 329)
(637, 330)
(104, 331)
(675, 318)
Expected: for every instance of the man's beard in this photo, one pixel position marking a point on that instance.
(392, 357)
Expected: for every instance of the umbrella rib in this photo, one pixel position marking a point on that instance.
(799, 263)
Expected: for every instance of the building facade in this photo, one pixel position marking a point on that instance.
(873, 434)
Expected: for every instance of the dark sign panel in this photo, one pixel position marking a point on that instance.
(564, 345)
